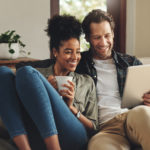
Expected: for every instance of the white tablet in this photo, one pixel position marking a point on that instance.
(137, 83)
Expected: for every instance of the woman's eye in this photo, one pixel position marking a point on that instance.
(67, 52)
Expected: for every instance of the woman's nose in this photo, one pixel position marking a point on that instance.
(74, 56)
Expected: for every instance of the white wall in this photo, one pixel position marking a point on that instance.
(130, 27)
(29, 19)
(142, 47)
(138, 28)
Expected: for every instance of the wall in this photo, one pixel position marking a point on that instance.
(29, 19)
(142, 48)
(138, 24)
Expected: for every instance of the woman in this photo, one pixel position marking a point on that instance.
(62, 118)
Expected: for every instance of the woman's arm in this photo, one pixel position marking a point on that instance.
(86, 99)
(69, 96)
(86, 122)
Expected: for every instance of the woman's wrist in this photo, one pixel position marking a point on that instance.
(73, 110)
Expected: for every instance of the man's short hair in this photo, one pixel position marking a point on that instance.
(96, 16)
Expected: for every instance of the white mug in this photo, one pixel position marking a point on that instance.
(62, 80)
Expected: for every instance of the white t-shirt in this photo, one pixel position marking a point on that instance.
(109, 100)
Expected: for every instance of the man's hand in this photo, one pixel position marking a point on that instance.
(146, 98)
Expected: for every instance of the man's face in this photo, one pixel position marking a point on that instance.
(101, 40)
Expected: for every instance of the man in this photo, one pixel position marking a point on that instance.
(119, 128)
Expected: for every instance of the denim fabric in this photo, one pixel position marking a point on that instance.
(9, 104)
(44, 105)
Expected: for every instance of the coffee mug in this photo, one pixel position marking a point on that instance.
(62, 80)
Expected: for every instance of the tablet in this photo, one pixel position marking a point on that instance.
(137, 83)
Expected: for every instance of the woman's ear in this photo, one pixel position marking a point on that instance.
(54, 52)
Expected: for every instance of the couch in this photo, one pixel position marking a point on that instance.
(5, 143)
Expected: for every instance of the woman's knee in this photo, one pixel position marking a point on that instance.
(24, 71)
(23, 74)
(6, 82)
(5, 72)
(6, 78)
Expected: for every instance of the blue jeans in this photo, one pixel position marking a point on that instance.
(44, 105)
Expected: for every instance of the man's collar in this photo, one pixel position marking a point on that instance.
(117, 57)
(119, 61)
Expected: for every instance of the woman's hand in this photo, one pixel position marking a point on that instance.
(52, 81)
(146, 98)
(68, 94)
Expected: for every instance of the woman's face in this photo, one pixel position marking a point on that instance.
(68, 56)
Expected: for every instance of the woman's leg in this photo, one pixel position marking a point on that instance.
(48, 110)
(10, 110)
(22, 142)
(35, 99)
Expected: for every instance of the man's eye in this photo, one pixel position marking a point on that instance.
(96, 38)
(108, 36)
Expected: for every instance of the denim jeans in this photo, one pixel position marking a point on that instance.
(43, 104)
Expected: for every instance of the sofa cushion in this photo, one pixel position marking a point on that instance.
(36, 64)
(6, 145)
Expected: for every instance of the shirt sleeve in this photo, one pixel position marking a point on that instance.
(91, 108)
(86, 99)
(137, 61)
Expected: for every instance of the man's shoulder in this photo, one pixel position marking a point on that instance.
(123, 55)
(131, 60)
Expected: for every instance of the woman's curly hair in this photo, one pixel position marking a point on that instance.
(61, 28)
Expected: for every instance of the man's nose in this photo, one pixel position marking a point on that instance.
(102, 41)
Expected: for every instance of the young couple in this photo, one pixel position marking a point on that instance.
(64, 122)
